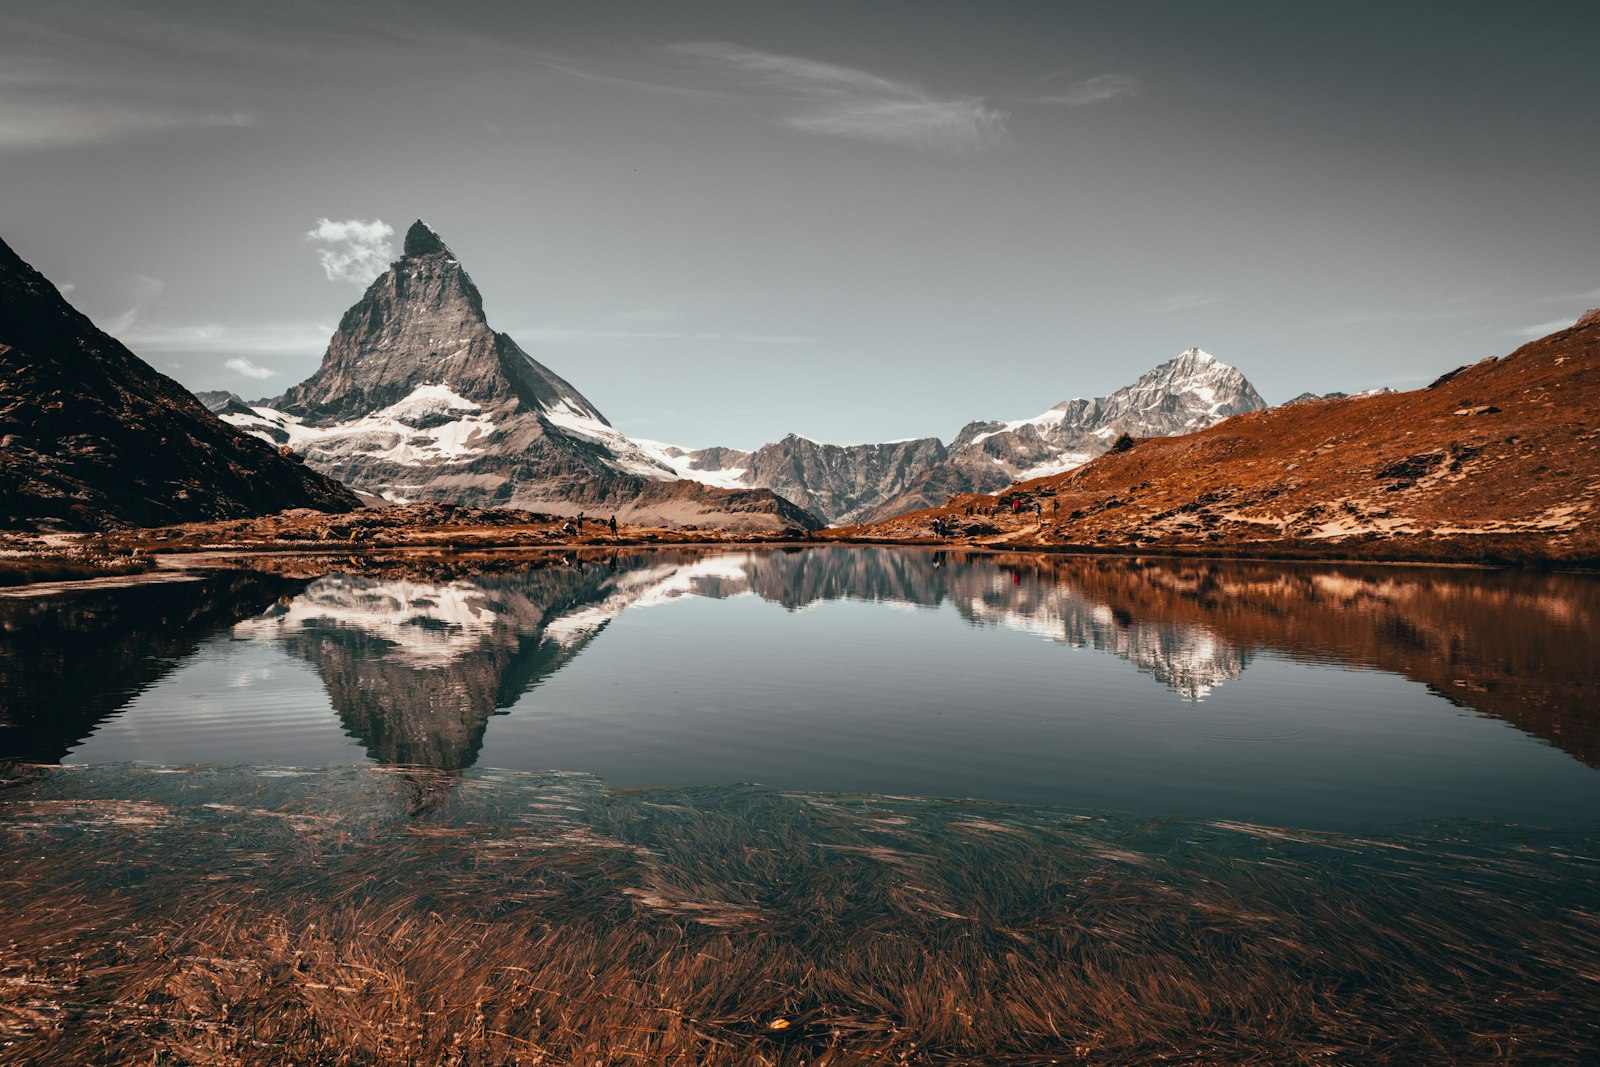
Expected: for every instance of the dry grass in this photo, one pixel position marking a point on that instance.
(25, 568)
(381, 917)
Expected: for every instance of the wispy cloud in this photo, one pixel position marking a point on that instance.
(1539, 329)
(1179, 302)
(1095, 90)
(248, 369)
(579, 335)
(1567, 298)
(831, 100)
(40, 126)
(1381, 317)
(358, 251)
(146, 291)
(246, 339)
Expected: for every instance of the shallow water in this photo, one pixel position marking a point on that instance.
(625, 808)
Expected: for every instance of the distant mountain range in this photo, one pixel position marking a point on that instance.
(91, 436)
(861, 483)
(417, 398)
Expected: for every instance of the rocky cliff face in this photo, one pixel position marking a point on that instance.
(864, 483)
(838, 482)
(91, 436)
(417, 398)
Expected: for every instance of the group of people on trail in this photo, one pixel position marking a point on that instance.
(575, 525)
(944, 527)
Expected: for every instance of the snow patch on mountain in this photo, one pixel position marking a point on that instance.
(431, 425)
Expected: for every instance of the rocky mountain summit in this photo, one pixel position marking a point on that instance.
(91, 436)
(417, 398)
(863, 483)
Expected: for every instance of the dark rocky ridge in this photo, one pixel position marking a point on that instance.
(92, 436)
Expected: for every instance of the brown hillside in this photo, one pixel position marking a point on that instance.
(1498, 461)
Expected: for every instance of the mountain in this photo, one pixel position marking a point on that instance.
(863, 483)
(1189, 393)
(92, 436)
(417, 398)
(1496, 461)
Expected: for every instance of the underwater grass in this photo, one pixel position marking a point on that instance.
(404, 917)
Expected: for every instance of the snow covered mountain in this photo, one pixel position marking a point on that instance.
(1182, 395)
(862, 483)
(417, 398)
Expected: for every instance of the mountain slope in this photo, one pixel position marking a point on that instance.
(92, 436)
(863, 483)
(1496, 461)
(417, 398)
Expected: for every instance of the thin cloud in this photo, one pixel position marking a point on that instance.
(1377, 318)
(246, 339)
(1180, 302)
(1095, 90)
(1592, 294)
(1540, 329)
(831, 100)
(560, 334)
(628, 83)
(43, 126)
(248, 369)
(146, 291)
(358, 251)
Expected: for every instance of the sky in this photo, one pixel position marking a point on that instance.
(725, 222)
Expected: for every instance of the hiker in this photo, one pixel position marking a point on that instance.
(566, 528)
(1016, 505)
(613, 526)
(1055, 507)
(580, 522)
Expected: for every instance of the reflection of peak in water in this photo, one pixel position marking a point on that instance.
(425, 624)
(1515, 645)
(414, 669)
(1192, 660)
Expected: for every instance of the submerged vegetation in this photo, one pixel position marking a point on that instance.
(400, 916)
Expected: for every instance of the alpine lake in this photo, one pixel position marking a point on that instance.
(820, 805)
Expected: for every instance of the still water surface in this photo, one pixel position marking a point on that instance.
(1296, 695)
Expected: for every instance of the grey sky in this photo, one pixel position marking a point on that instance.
(724, 222)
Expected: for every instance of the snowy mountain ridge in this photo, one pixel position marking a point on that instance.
(417, 398)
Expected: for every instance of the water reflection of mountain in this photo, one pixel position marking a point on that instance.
(990, 590)
(67, 663)
(415, 669)
(1514, 645)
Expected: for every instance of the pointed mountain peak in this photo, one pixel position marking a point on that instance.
(1198, 355)
(422, 241)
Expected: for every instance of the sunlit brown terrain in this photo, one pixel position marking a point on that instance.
(1498, 462)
